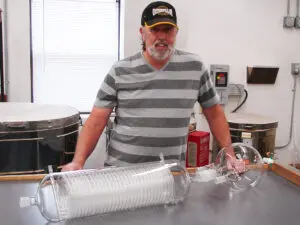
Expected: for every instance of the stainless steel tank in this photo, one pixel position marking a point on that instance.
(33, 136)
(252, 129)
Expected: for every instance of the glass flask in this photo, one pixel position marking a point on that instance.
(239, 166)
(74, 194)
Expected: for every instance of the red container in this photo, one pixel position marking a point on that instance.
(197, 153)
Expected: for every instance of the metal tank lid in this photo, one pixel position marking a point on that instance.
(251, 121)
(15, 116)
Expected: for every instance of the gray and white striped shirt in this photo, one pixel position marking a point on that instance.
(153, 107)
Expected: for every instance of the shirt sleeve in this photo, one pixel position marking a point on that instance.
(107, 94)
(208, 95)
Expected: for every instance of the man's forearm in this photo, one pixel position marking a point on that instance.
(90, 134)
(87, 141)
(218, 125)
(220, 130)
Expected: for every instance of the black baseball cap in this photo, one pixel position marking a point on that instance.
(157, 13)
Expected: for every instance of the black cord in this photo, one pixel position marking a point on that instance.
(242, 103)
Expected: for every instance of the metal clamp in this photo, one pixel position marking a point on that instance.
(248, 126)
(63, 135)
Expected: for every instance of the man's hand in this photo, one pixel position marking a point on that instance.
(72, 166)
(235, 164)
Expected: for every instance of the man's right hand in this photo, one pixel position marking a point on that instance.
(72, 166)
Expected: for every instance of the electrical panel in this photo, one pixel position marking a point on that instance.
(220, 77)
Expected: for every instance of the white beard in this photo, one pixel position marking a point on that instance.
(160, 55)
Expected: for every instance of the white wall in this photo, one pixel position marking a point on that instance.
(241, 34)
(234, 32)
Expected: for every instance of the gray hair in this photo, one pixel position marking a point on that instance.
(143, 46)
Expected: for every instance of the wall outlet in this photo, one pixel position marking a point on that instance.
(297, 22)
(288, 22)
(295, 69)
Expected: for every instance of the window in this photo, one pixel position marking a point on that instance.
(74, 44)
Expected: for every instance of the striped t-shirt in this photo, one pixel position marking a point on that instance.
(153, 106)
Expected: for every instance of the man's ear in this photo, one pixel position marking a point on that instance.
(142, 33)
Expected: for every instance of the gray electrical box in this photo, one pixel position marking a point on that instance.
(219, 75)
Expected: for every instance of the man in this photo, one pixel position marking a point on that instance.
(153, 93)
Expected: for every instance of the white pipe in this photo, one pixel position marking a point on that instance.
(292, 115)
(288, 7)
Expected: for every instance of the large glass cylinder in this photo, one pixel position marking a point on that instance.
(68, 195)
